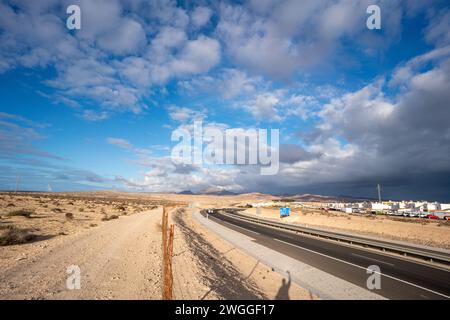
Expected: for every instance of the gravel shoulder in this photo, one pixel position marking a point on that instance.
(229, 272)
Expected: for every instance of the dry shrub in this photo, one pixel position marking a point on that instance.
(10, 205)
(111, 217)
(69, 215)
(57, 210)
(81, 209)
(445, 223)
(12, 235)
(20, 213)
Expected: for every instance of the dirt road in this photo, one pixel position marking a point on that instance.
(119, 259)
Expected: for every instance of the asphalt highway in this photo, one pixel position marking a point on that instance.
(400, 278)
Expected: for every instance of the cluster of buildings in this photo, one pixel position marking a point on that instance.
(405, 208)
(398, 208)
(422, 206)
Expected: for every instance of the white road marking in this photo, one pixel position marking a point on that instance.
(358, 266)
(372, 259)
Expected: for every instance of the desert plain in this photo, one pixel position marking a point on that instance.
(115, 239)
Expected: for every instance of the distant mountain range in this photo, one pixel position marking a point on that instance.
(188, 192)
(214, 192)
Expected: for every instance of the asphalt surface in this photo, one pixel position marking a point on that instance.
(400, 278)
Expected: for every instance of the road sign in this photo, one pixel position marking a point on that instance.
(284, 212)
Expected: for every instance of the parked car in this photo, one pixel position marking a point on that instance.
(414, 214)
(423, 214)
(442, 215)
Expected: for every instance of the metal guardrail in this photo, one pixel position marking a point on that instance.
(385, 246)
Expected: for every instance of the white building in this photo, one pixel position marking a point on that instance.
(380, 206)
(337, 205)
(385, 206)
(422, 205)
(434, 206)
(406, 205)
(409, 210)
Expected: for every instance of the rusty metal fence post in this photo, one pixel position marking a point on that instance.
(167, 252)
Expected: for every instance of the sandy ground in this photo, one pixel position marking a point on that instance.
(118, 260)
(414, 230)
(121, 258)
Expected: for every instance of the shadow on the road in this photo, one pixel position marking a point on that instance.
(283, 292)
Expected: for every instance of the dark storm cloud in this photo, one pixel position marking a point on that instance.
(367, 138)
(291, 153)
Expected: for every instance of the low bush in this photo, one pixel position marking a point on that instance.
(20, 213)
(69, 215)
(445, 223)
(111, 217)
(12, 235)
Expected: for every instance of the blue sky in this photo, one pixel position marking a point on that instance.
(95, 108)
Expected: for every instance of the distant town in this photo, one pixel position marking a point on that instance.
(414, 209)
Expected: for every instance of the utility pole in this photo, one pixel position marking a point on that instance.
(379, 192)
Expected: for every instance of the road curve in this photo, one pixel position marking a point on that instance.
(400, 278)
